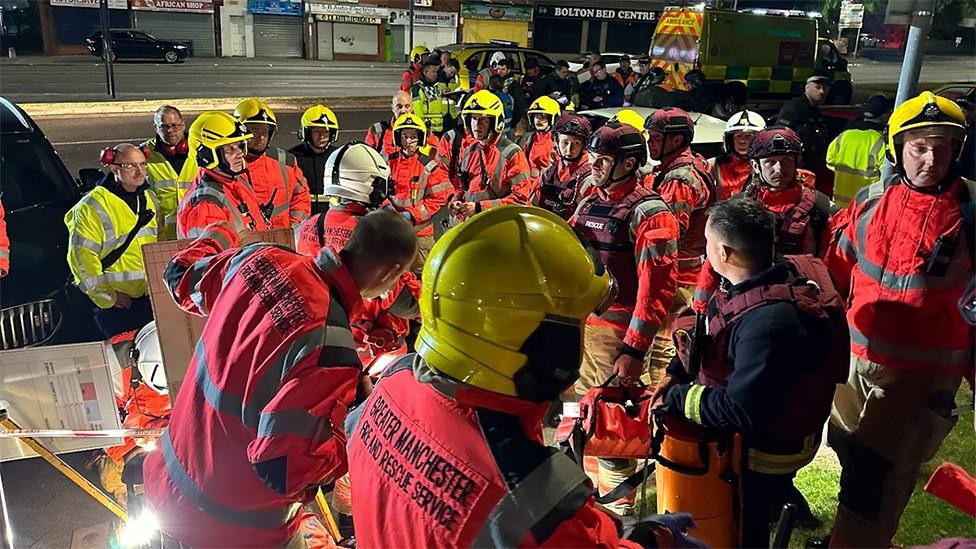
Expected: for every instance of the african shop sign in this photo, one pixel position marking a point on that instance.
(565, 12)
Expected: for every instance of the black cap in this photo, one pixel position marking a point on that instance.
(644, 59)
(819, 79)
(531, 62)
(625, 57)
(877, 105)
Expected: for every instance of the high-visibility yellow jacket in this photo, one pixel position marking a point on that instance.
(168, 185)
(430, 104)
(856, 157)
(98, 224)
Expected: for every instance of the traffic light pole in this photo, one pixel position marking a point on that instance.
(107, 47)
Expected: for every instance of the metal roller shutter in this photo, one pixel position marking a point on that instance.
(278, 36)
(198, 27)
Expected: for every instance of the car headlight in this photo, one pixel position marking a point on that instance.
(179, 47)
(139, 531)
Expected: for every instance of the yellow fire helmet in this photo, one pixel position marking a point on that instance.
(484, 103)
(410, 121)
(212, 130)
(255, 111)
(522, 338)
(545, 106)
(418, 53)
(319, 116)
(629, 117)
(927, 110)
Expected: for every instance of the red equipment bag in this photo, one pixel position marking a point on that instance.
(614, 422)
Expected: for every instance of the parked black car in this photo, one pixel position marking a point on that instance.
(137, 44)
(38, 302)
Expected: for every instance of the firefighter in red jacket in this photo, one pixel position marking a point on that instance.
(493, 169)
(774, 347)
(561, 186)
(683, 181)
(732, 171)
(257, 425)
(449, 148)
(380, 135)
(420, 184)
(538, 144)
(277, 180)
(448, 451)
(636, 236)
(418, 56)
(906, 257)
(802, 212)
(222, 189)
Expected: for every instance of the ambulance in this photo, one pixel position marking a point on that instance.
(748, 57)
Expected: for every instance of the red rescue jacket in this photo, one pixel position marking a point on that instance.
(684, 182)
(905, 260)
(449, 150)
(421, 188)
(455, 466)
(802, 215)
(214, 197)
(144, 409)
(636, 237)
(495, 173)
(539, 149)
(257, 425)
(731, 174)
(561, 186)
(279, 184)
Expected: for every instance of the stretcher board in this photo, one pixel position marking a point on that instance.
(59, 387)
(178, 330)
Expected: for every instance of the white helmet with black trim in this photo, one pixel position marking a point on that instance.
(742, 121)
(355, 171)
(148, 357)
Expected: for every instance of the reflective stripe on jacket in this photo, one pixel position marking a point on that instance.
(464, 468)
(169, 186)
(903, 315)
(495, 174)
(421, 188)
(539, 150)
(257, 424)
(278, 181)
(213, 198)
(430, 104)
(856, 157)
(98, 224)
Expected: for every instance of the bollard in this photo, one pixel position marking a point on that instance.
(11, 52)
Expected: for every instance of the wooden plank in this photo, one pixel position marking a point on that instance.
(178, 330)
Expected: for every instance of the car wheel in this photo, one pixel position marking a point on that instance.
(110, 57)
(171, 56)
(733, 99)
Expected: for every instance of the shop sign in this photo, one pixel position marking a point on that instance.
(349, 10)
(204, 6)
(112, 4)
(275, 7)
(348, 19)
(424, 18)
(496, 12)
(606, 14)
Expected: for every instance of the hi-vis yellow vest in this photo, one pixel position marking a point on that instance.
(98, 224)
(168, 185)
(856, 157)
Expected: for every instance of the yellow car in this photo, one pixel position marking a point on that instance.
(475, 57)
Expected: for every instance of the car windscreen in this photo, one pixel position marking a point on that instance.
(31, 174)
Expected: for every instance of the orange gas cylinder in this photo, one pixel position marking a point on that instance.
(698, 473)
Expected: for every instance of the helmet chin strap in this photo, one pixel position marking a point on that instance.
(612, 180)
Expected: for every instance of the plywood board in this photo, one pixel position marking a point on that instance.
(59, 387)
(179, 330)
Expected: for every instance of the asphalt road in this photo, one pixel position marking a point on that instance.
(83, 79)
(79, 140)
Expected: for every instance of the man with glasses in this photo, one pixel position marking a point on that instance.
(601, 91)
(106, 231)
(171, 167)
